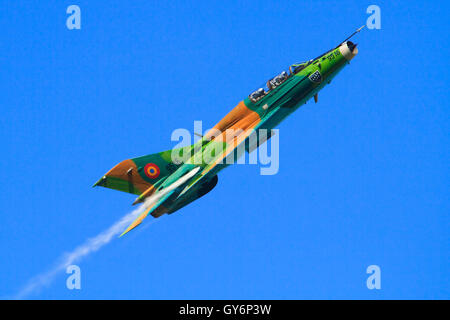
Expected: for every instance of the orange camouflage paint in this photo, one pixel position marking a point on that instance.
(240, 118)
(120, 171)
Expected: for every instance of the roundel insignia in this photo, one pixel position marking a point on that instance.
(151, 170)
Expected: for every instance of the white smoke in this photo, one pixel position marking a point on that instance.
(90, 245)
(94, 244)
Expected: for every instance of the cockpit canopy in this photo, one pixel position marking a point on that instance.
(270, 84)
(297, 67)
(277, 80)
(256, 95)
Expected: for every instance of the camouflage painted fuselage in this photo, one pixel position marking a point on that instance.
(146, 175)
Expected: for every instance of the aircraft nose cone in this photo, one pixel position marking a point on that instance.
(351, 46)
(348, 50)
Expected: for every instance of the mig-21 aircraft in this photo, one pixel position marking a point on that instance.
(175, 178)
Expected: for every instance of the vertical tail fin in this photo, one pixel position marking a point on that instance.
(137, 175)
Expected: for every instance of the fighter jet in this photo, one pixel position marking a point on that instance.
(174, 178)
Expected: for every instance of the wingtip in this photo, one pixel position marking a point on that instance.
(131, 227)
(138, 221)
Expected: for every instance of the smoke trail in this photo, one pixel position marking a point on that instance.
(91, 245)
(94, 244)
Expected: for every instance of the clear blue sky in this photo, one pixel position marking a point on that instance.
(364, 174)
